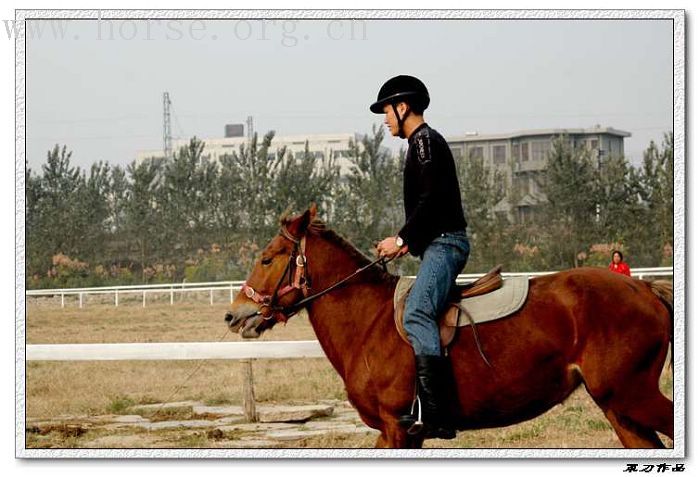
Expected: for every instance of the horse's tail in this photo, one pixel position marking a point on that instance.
(663, 289)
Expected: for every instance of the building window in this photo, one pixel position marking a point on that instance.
(456, 152)
(524, 152)
(594, 144)
(476, 153)
(540, 150)
(515, 152)
(499, 154)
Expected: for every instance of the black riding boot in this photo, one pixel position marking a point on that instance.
(432, 374)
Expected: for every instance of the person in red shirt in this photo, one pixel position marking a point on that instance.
(617, 265)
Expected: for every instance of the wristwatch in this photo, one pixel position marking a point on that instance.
(399, 241)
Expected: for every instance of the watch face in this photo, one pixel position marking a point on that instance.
(399, 242)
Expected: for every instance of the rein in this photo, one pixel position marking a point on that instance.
(267, 303)
(300, 304)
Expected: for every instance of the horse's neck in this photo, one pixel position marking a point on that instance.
(343, 318)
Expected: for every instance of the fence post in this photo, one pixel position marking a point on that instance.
(231, 301)
(172, 296)
(144, 299)
(248, 392)
(211, 297)
(80, 299)
(116, 297)
(63, 302)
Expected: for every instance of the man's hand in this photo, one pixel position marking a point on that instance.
(388, 248)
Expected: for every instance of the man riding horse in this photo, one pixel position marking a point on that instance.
(435, 232)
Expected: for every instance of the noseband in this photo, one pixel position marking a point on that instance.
(298, 280)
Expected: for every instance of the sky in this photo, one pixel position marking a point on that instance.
(98, 86)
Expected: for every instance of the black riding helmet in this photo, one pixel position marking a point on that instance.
(408, 89)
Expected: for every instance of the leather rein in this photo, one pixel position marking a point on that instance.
(298, 280)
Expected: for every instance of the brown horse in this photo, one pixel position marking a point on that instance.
(585, 325)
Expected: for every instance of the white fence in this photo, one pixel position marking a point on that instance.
(233, 287)
(246, 351)
(174, 351)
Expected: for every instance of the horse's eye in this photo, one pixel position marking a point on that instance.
(266, 261)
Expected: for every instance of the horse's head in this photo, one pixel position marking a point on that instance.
(278, 280)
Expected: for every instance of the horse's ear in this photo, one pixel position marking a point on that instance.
(299, 225)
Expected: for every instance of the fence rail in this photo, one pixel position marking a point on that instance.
(233, 286)
(174, 351)
(245, 352)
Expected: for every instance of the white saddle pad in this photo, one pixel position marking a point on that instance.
(494, 305)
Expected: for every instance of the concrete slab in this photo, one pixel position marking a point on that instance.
(292, 413)
(217, 410)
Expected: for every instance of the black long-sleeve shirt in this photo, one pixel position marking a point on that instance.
(432, 200)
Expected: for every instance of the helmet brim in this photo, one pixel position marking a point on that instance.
(378, 106)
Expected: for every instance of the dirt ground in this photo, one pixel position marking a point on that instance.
(96, 404)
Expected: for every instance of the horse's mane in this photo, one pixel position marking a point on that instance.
(318, 227)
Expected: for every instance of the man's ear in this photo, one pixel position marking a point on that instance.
(402, 107)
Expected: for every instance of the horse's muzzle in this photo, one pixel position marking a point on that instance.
(244, 319)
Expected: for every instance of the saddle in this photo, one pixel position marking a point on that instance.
(469, 304)
(486, 284)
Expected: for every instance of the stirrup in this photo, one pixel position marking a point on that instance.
(413, 426)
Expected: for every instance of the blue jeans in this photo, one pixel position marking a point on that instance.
(442, 261)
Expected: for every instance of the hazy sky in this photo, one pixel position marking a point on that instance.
(99, 89)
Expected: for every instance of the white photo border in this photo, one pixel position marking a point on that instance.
(679, 250)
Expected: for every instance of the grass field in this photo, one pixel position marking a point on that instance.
(56, 389)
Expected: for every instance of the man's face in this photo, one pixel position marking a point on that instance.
(390, 118)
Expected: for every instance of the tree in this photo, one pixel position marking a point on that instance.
(655, 223)
(304, 179)
(482, 189)
(143, 217)
(368, 205)
(617, 194)
(92, 203)
(570, 212)
(186, 196)
(252, 170)
(55, 217)
(37, 256)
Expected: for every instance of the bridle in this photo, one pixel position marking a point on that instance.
(298, 280)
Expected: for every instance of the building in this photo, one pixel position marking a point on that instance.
(521, 156)
(321, 145)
